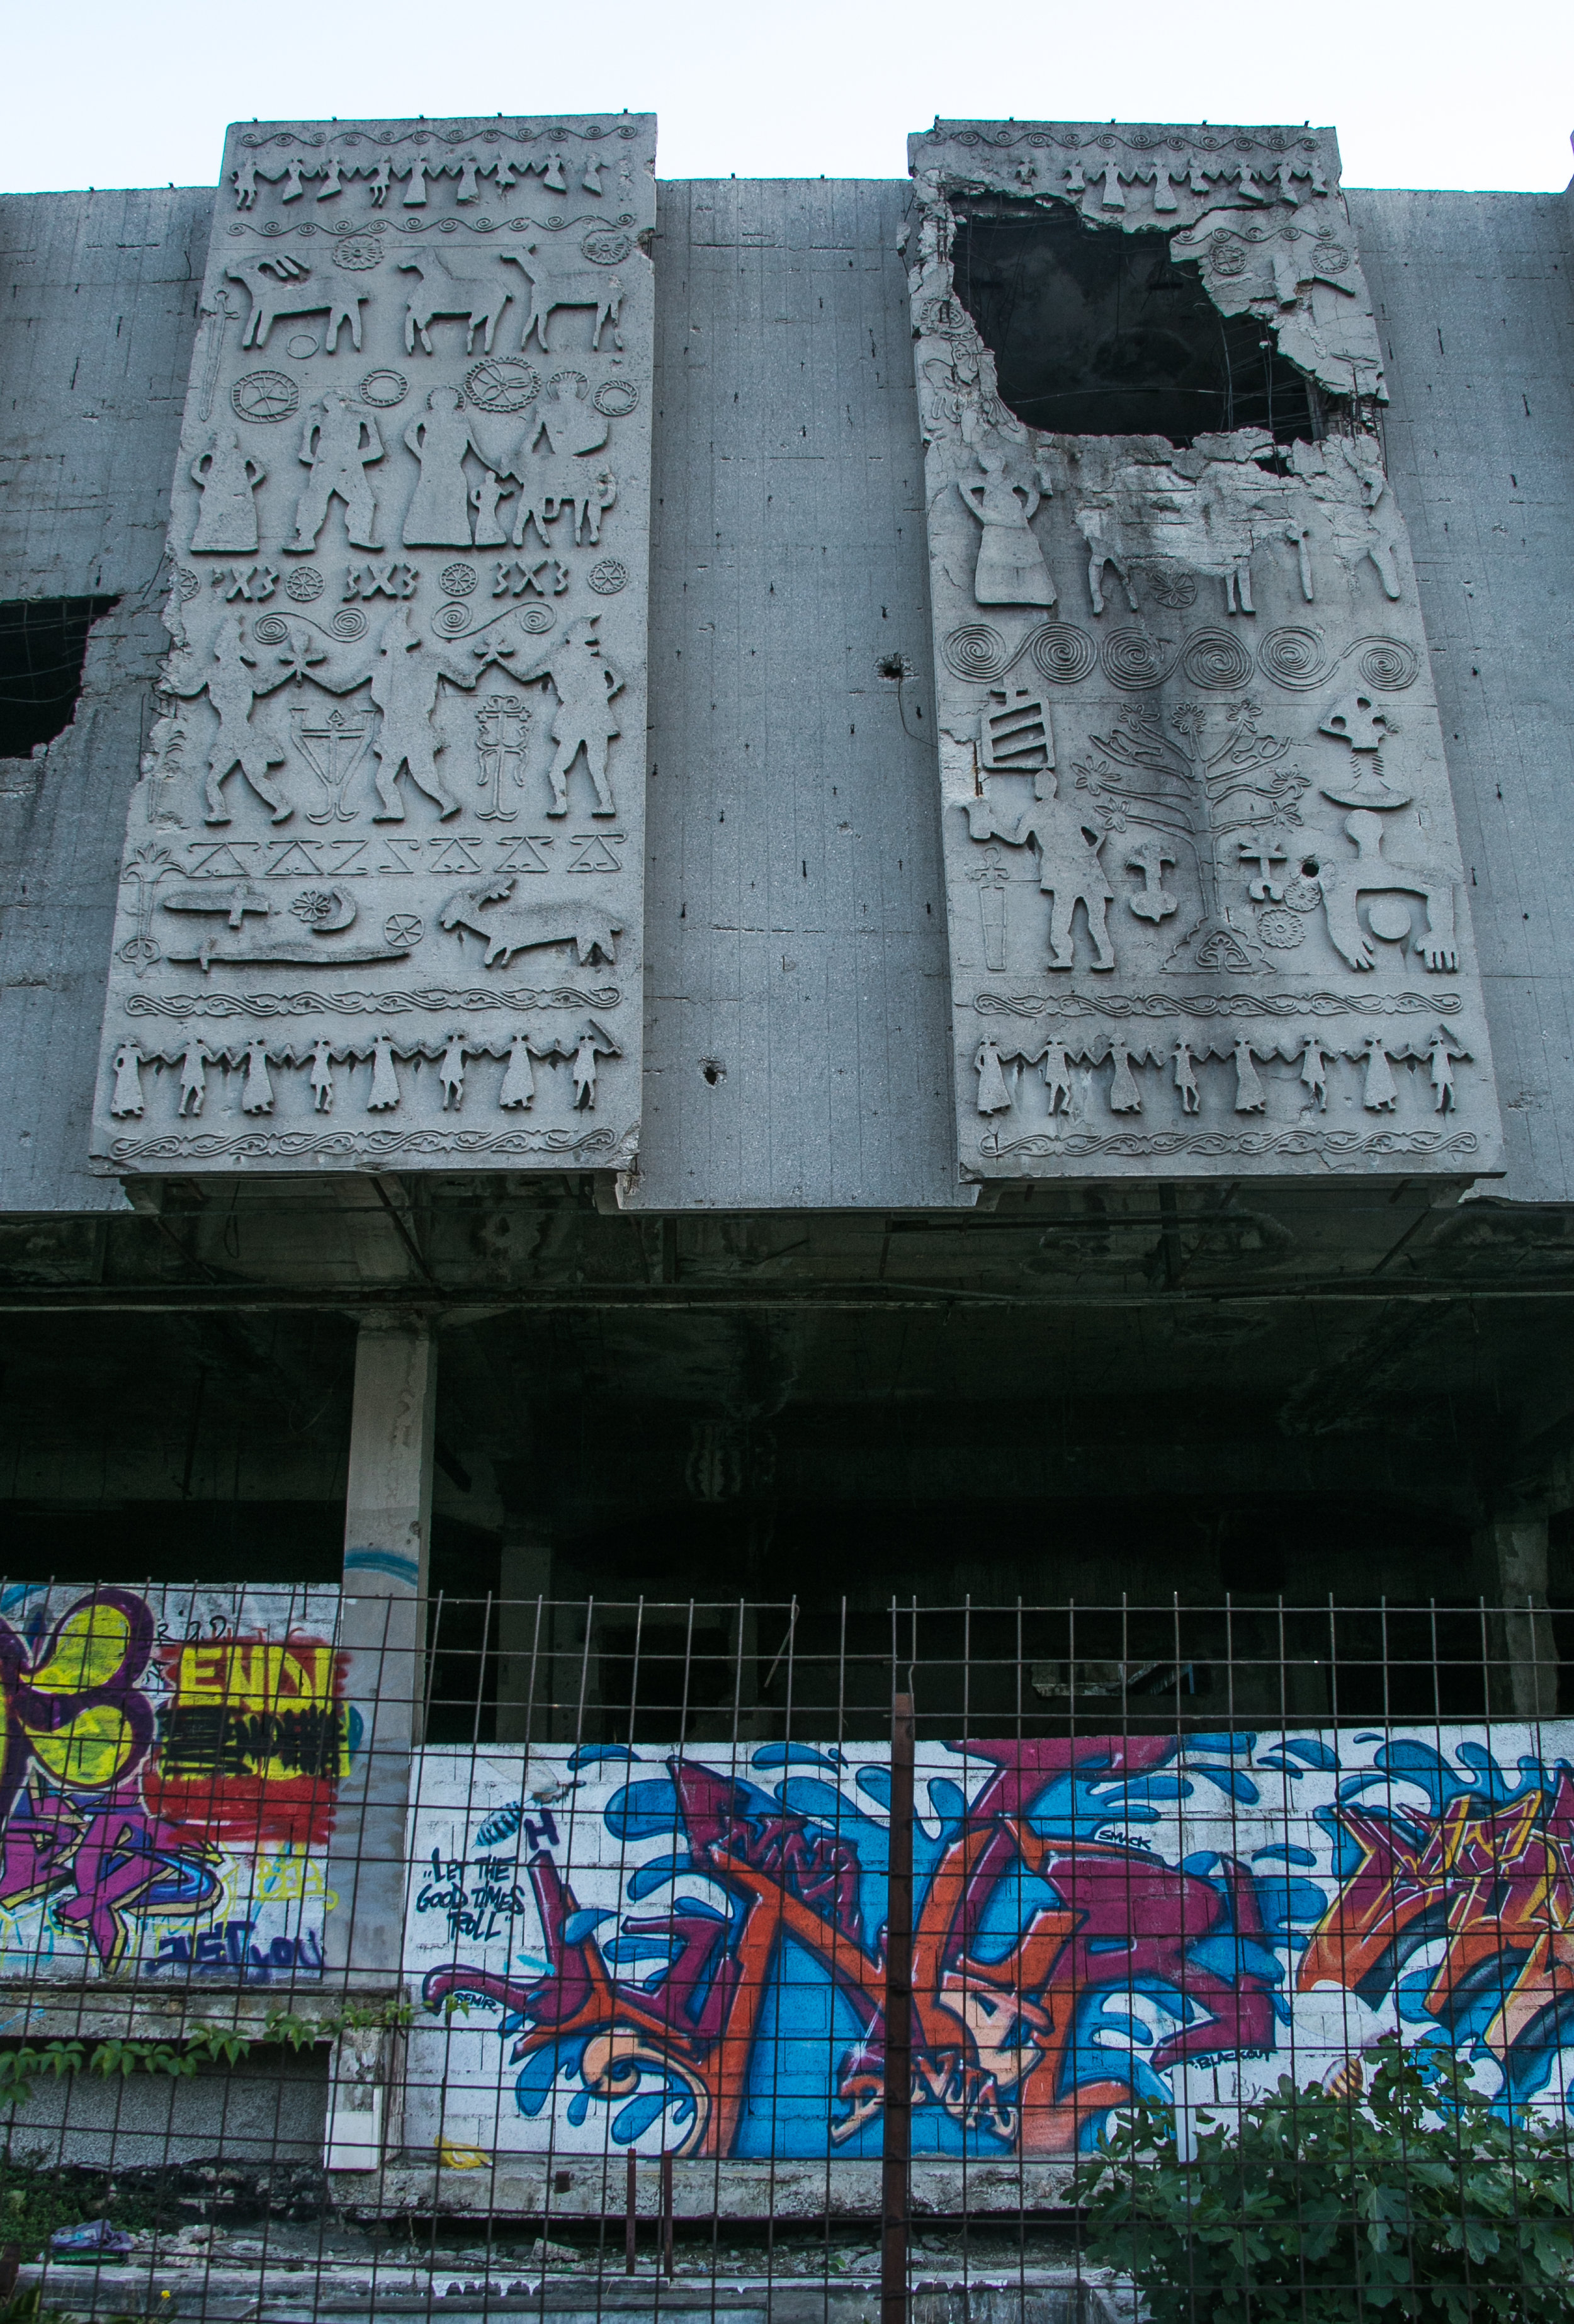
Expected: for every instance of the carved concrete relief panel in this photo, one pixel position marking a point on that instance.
(381, 899)
(1207, 907)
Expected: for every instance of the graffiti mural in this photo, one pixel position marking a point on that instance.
(169, 1768)
(639, 1949)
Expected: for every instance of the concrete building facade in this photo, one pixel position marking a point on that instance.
(725, 901)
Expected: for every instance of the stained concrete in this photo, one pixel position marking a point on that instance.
(788, 546)
(1474, 295)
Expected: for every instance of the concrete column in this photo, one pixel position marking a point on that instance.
(1513, 1551)
(525, 1677)
(388, 1506)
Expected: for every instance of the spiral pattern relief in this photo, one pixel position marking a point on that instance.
(976, 652)
(1294, 658)
(1132, 659)
(1386, 663)
(349, 625)
(1062, 653)
(1299, 658)
(453, 620)
(1215, 657)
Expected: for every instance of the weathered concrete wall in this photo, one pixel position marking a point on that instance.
(797, 945)
(1474, 308)
(98, 308)
(794, 925)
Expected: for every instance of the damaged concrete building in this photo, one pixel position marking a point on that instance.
(727, 903)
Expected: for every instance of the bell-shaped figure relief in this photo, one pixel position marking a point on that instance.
(227, 478)
(1011, 570)
(438, 516)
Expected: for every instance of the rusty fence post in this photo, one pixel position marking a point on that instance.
(895, 2153)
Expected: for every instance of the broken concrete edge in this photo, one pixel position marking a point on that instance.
(831, 2189)
(1065, 162)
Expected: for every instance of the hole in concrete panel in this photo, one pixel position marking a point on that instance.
(44, 643)
(711, 1071)
(1098, 332)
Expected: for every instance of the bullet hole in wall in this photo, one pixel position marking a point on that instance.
(1097, 332)
(43, 644)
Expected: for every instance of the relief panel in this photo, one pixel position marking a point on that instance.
(1206, 908)
(381, 900)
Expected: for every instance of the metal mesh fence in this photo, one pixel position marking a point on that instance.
(370, 1953)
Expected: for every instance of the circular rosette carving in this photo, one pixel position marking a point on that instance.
(457, 580)
(616, 398)
(501, 383)
(187, 583)
(1212, 657)
(609, 576)
(1171, 585)
(265, 396)
(1132, 659)
(403, 928)
(1062, 653)
(303, 585)
(358, 252)
(1281, 931)
(976, 652)
(1387, 664)
(1294, 658)
(629, 2069)
(604, 245)
(385, 388)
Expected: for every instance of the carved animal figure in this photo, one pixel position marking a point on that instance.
(279, 285)
(447, 288)
(530, 927)
(580, 286)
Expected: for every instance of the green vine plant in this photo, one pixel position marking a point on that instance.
(206, 2046)
(1415, 2200)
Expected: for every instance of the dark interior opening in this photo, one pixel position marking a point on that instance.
(43, 644)
(1097, 332)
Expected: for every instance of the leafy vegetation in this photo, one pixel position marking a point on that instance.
(1414, 2200)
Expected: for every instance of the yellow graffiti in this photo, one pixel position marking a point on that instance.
(285, 1880)
(243, 1675)
(90, 1750)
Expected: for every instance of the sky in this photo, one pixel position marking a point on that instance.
(104, 93)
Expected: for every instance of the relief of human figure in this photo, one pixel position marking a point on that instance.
(592, 1044)
(585, 684)
(994, 1090)
(232, 689)
(194, 1064)
(1010, 568)
(490, 530)
(439, 515)
(1068, 839)
(407, 675)
(338, 443)
(227, 478)
(127, 1099)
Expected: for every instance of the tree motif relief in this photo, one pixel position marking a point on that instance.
(1182, 777)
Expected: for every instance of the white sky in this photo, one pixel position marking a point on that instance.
(1423, 92)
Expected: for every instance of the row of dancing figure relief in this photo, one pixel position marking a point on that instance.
(193, 1059)
(341, 439)
(1000, 1069)
(1206, 510)
(404, 671)
(330, 175)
